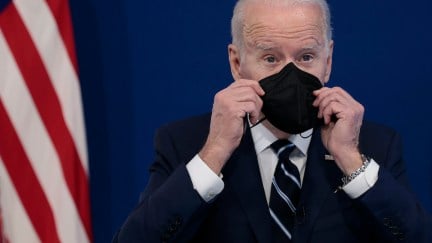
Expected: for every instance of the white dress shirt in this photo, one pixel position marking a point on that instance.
(208, 184)
(267, 159)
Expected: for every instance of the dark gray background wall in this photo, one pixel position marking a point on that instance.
(145, 63)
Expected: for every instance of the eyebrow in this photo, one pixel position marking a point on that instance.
(265, 47)
(268, 46)
(313, 45)
(310, 48)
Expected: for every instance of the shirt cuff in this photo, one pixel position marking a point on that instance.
(363, 182)
(204, 180)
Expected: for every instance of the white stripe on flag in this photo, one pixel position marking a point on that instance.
(16, 224)
(39, 148)
(44, 31)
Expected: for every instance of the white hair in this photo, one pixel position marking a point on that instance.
(237, 21)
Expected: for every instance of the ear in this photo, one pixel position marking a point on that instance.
(329, 61)
(234, 60)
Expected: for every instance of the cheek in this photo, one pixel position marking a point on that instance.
(319, 71)
(250, 69)
(321, 75)
(254, 70)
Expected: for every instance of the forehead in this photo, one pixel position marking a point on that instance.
(293, 23)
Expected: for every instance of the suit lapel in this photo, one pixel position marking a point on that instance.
(242, 174)
(321, 179)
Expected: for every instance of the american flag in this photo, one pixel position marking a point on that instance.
(44, 193)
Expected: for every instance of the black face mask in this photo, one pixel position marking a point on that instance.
(287, 103)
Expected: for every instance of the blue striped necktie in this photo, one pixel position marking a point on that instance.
(285, 192)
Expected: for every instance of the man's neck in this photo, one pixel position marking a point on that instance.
(276, 132)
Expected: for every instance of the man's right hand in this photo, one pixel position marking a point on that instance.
(231, 106)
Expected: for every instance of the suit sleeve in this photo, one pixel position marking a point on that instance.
(169, 209)
(399, 215)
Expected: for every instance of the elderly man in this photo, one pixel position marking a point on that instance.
(266, 165)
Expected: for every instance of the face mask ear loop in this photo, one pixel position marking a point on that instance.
(262, 119)
(308, 136)
(258, 122)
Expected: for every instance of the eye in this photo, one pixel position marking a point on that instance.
(270, 59)
(307, 58)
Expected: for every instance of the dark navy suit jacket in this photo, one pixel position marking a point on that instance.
(170, 210)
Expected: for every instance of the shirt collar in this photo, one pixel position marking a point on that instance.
(263, 138)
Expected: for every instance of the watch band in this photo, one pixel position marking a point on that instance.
(347, 179)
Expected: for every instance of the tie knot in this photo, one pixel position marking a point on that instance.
(282, 147)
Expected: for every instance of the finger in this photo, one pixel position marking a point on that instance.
(347, 100)
(249, 83)
(253, 108)
(344, 97)
(333, 108)
(329, 99)
(319, 91)
(255, 115)
(320, 95)
(243, 94)
(250, 108)
(230, 98)
(343, 93)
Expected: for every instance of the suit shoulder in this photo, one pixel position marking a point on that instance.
(375, 130)
(192, 124)
(377, 141)
(187, 135)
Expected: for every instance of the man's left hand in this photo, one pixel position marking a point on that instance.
(340, 136)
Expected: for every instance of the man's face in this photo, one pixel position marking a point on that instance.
(274, 36)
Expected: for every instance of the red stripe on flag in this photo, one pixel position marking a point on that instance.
(49, 108)
(29, 190)
(60, 10)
